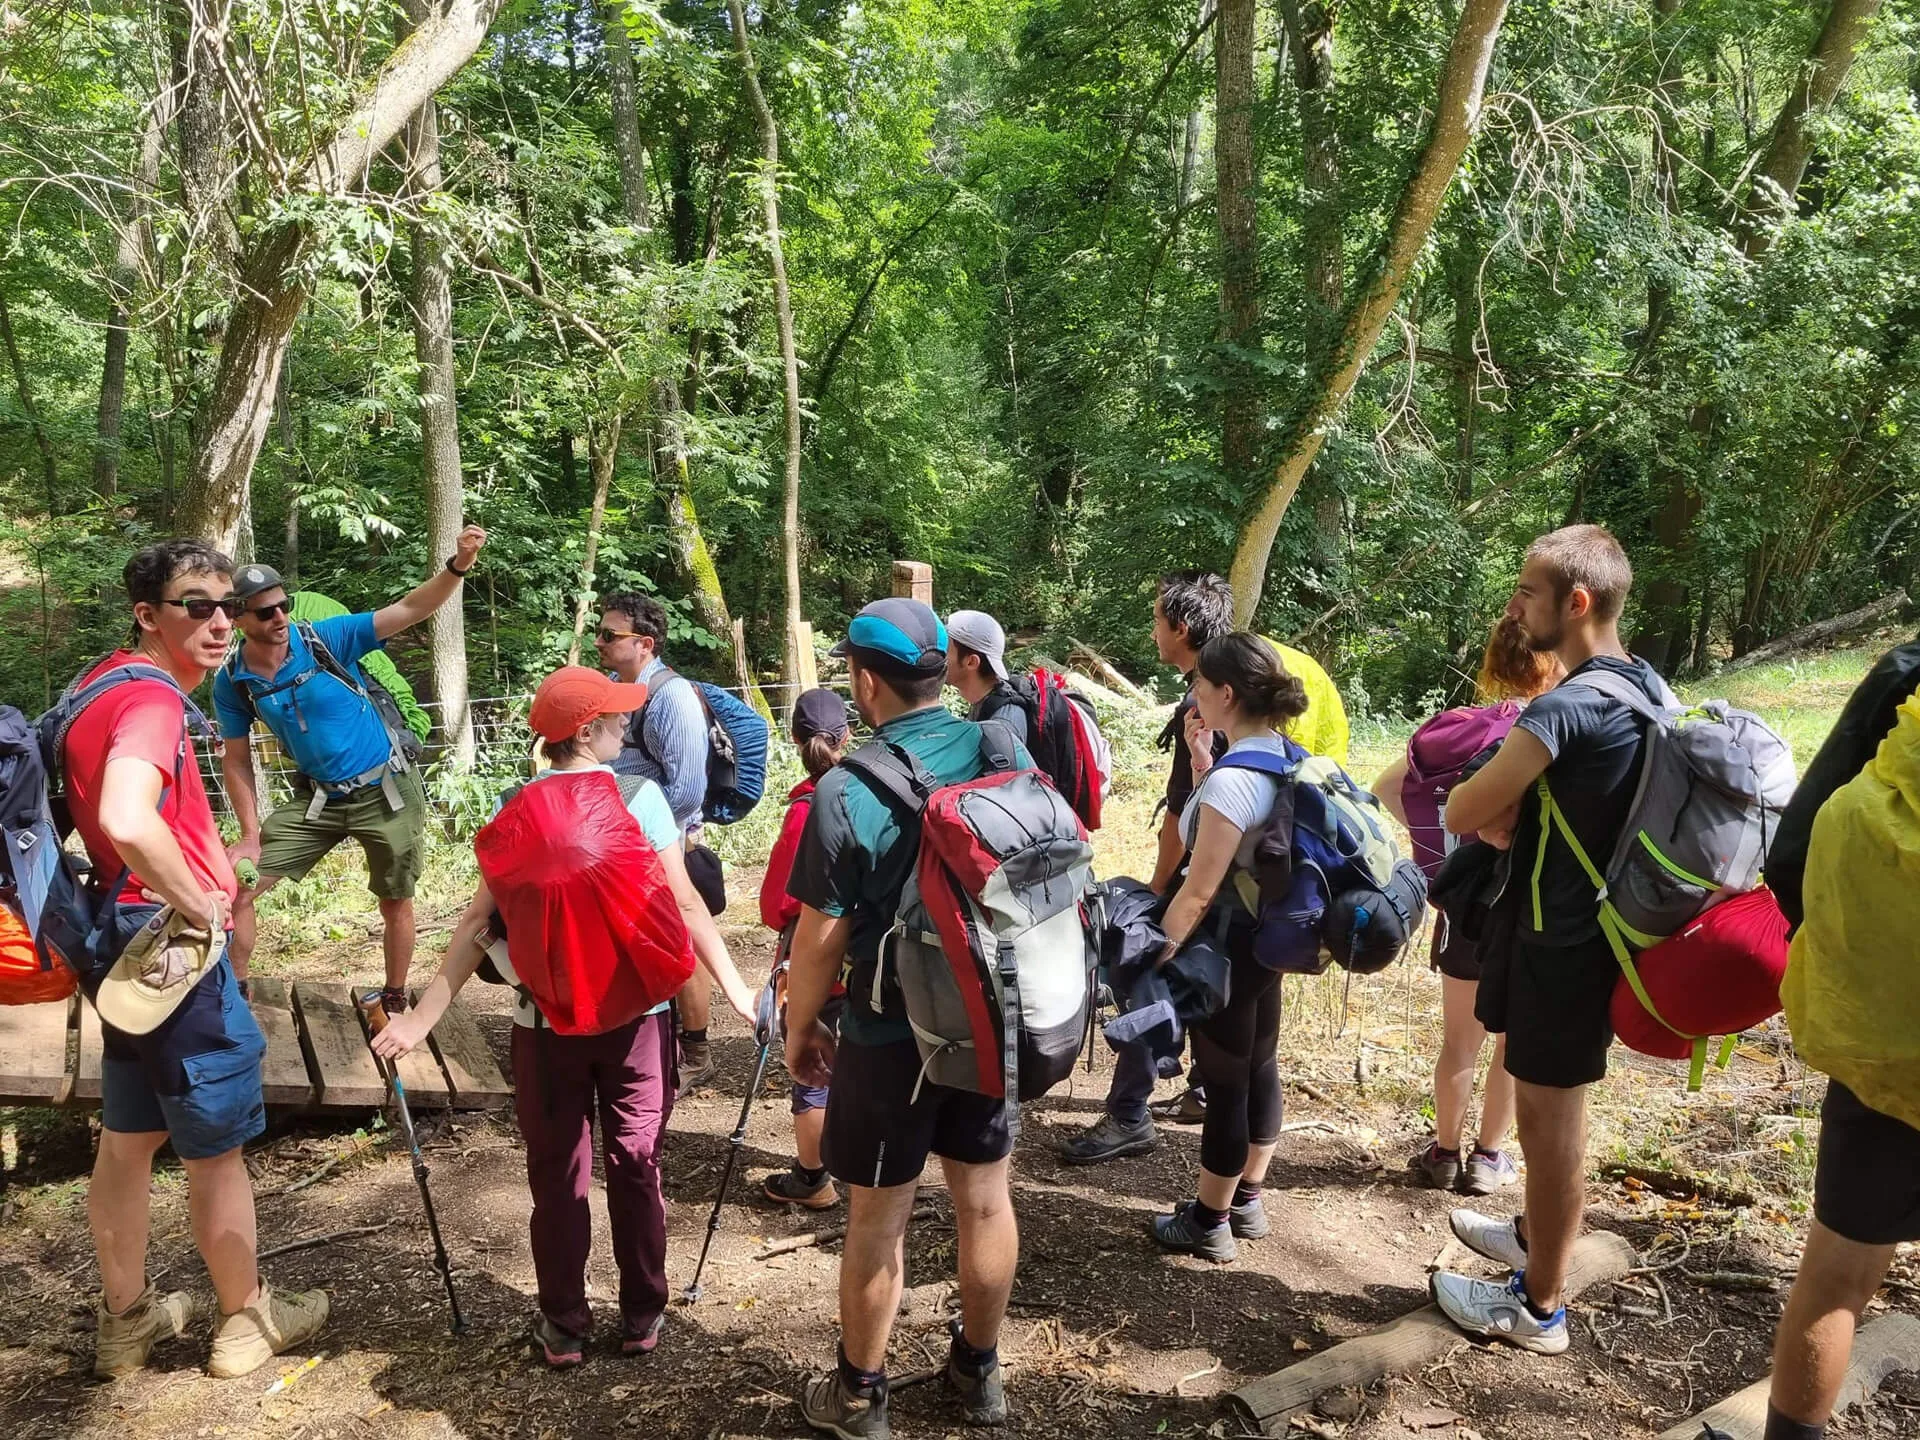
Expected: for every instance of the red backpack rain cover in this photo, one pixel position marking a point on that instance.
(1719, 976)
(595, 934)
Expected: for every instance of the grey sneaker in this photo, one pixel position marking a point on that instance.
(1189, 1107)
(1497, 1239)
(1486, 1171)
(1248, 1221)
(126, 1339)
(1435, 1168)
(1182, 1234)
(1499, 1312)
(1107, 1139)
(983, 1397)
(826, 1404)
(561, 1349)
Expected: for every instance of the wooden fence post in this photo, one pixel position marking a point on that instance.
(913, 580)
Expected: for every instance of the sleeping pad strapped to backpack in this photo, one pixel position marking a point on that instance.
(597, 937)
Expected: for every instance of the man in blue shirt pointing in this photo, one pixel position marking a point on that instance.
(353, 777)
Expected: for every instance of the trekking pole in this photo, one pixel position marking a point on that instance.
(375, 1015)
(765, 1028)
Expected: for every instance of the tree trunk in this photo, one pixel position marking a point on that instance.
(1456, 116)
(1310, 37)
(50, 471)
(272, 290)
(783, 318)
(122, 287)
(1239, 241)
(432, 304)
(627, 146)
(603, 453)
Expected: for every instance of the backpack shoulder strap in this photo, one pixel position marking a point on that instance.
(997, 746)
(1618, 687)
(1264, 762)
(79, 697)
(630, 787)
(328, 661)
(894, 774)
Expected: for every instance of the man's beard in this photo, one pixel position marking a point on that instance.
(1542, 644)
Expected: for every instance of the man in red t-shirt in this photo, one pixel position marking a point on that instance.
(134, 788)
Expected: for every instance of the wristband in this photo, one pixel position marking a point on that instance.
(455, 571)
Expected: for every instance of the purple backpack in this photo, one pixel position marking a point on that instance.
(1437, 753)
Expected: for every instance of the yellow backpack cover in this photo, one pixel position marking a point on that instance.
(1323, 729)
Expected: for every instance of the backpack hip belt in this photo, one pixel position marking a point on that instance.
(380, 777)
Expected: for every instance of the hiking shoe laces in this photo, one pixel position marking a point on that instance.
(1182, 1234)
(277, 1322)
(983, 1397)
(1499, 1312)
(1248, 1221)
(128, 1338)
(826, 1404)
(789, 1187)
(1498, 1240)
(1487, 1171)
(1107, 1139)
(561, 1349)
(1435, 1168)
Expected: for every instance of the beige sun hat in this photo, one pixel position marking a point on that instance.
(155, 973)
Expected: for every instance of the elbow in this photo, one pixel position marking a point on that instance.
(123, 829)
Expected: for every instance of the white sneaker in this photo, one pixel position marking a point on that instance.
(1499, 1312)
(1498, 1240)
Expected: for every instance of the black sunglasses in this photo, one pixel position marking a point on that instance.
(200, 607)
(607, 637)
(267, 612)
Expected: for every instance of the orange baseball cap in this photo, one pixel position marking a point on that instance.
(573, 695)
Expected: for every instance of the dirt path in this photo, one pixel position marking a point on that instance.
(1106, 1335)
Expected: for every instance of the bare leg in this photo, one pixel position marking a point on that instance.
(808, 1126)
(1810, 1351)
(118, 1211)
(396, 941)
(220, 1200)
(696, 1001)
(873, 1270)
(989, 1247)
(246, 925)
(1553, 1131)
(1496, 1106)
(1453, 1068)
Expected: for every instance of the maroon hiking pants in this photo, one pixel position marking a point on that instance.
(559, 1081)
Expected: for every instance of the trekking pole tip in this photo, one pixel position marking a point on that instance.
(691, 1295)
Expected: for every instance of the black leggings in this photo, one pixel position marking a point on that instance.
(1236, 1051)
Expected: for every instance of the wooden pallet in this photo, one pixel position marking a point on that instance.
(317, 1060)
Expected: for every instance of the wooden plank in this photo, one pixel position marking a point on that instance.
(342, 1067)
(426, 1082)
(33, 1052)
(284, 1077)
(1406, 1344)
(86, 1065)
(463, 1050)
(1887, 1344)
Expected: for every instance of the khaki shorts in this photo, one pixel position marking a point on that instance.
(394, 840)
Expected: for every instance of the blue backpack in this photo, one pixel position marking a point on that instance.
(736, 750)
(1336, 885)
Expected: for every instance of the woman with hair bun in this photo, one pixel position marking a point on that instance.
(1242, 690)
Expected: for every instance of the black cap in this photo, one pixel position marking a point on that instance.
(818, 712)
(252, 580)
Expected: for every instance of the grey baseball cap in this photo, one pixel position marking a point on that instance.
(252, 580)
(980, 633)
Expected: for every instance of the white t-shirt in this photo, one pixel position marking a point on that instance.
(1244, 797)
(649, 807)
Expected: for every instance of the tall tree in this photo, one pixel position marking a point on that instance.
(1309, 25)
(769, 181)
(23, 389)
(1456, 117)
(1239, 239)
(131, 243)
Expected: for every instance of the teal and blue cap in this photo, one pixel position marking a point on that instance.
(903, 631)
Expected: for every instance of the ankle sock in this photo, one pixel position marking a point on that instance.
(1532, 1309)
(1206, 1217)
(971, 1361)
(1245, 1194)
(694, 1037)
(812, 1176)
(1483, 1150)
(861, 1382)
(1439, 1149)
(1779, 1427)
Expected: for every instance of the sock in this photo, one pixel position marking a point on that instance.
(1483, 1150)
(1532, 1309)
(971, 1361)
(861, 1382)
(1206, 1217)
(1440, 1149)
(812, 1176)
(694, 1037)
(1245, 1194)
(1779, 1427)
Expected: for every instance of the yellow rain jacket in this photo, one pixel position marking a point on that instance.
(1323, 729)
(1852, 992)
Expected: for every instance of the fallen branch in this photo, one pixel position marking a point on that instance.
(1102, 670)
(1732, 1280)
(828, 1237)
(1679, 1186)
(1820, 630)
(327, 1239)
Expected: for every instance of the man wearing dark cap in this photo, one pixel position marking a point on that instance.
(882, 1122)
(353, 779)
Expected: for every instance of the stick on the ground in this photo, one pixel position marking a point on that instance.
(1102, 670)
(1679, 1186)
(1890, 1343)
(827, 1237)
(1405, 1344)
(327, 1239)
(1732, 1280)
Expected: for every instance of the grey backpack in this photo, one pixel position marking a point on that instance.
(1712, 785)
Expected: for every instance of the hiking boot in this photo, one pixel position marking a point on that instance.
(1499, 1312)
(1498, 1240)
(393, 1000)
(826, 1404)
(1189, 1107)
(641, 1339)
(127, 1338)
(1107, 1139)
(1248, 1221)
(696, 1066)
(983, 1397)
(1435, 1168)
(1182, 1234)
(1486, 1171)
(561, 1349)
(789, 1187)
(272, 1325)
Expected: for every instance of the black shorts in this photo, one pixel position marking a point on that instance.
(877, 1136)
(1866, 1184)
(1554, 1004)
(1454, 955)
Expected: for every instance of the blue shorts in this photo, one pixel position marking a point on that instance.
(222, 1106)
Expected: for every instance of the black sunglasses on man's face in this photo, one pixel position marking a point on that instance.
(607, 637)
(201, 607)
(267, 612)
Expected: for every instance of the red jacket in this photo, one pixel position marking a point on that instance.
(778, 909)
